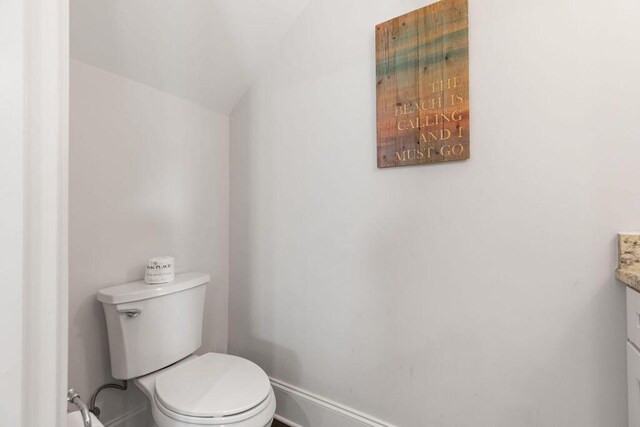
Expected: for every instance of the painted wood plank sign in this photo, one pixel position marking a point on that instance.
(422, 71)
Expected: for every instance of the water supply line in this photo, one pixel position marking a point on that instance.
(74, 397)
(92, 404)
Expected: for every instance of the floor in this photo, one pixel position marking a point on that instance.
(277, 423)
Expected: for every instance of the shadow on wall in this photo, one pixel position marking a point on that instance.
(112, 403)
(265, 355)
(252, 307)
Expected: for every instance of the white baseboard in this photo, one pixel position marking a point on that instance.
(295, 406)
(300, 408)
(137, 417)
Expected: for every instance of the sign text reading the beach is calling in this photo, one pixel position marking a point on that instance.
(422, 72)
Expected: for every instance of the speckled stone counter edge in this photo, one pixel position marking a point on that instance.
(628, 270)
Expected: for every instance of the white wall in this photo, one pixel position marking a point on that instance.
(33, 136)
(478, 293)
(11, 208)
(148, 176)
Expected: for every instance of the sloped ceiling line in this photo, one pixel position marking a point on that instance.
(206, 51)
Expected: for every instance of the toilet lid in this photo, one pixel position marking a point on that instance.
(213, 385)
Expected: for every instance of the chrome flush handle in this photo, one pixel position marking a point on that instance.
(131, 312)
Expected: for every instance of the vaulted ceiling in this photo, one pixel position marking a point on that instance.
(207, 51)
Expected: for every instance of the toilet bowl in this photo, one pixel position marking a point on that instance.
(154, 331)
(212, 389)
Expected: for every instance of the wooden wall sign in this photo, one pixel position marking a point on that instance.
(422, 70)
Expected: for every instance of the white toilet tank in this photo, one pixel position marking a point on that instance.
(152, 326)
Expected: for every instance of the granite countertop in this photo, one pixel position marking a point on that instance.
(628, 270)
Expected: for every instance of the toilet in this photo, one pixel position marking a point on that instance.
(154, 331)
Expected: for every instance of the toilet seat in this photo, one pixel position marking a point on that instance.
(262, 414)
(213, 389)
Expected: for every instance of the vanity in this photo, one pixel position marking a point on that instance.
(628, 272)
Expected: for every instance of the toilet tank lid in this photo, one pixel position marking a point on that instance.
(136, 291)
